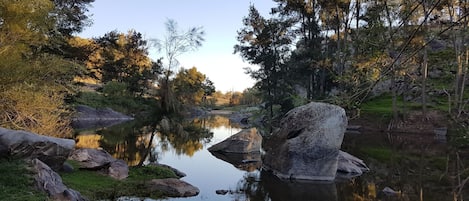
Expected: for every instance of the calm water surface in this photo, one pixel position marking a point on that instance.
(414, 166)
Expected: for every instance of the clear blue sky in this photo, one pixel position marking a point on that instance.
(220, 19)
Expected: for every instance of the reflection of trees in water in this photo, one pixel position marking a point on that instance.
(215, 121)
(128, 141)
(185, 137)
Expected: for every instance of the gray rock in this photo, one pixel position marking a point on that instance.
(221, 192)
(173, 187)
(118, 169)
(50, 182)
(351, 164)
(306, 147)
(98, 159)
(88, 117)
(92, 158)
(21, 144)
(246, 141)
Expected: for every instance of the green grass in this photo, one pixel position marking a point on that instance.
(94, 185)
(381, 154)
(16, 182)
(381, 105)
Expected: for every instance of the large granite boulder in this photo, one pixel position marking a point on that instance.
(22, 144)
(48, 181)
(246, 141)
(306, 147)
(98, 159)
(172, 187)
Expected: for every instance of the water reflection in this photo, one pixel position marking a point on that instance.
(248, 162)
(412, 165)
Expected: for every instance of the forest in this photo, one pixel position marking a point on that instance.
(412, 55)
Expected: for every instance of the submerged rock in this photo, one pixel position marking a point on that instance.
(22, 144)
(172, 187)
(246, 141)
(306, 146)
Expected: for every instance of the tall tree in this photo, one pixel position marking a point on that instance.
(175, 43)
(124, 58)
(266, 43)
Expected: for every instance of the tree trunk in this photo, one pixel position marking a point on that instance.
(424, 80)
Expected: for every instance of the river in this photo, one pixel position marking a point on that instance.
(414, 167)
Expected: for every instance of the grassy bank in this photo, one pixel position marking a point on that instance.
(17, 182)
(96, 186)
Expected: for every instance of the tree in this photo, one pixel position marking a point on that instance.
(70, 15)
(265, 42)
(307, 59)
(192, 87)
(174, 44)
(34, 82)
(124, 58)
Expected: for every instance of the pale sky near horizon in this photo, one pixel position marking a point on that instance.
(220, 19)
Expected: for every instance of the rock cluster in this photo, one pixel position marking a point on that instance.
(98, 159)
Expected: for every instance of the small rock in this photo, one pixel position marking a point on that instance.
(172, 187)
(118, 169)
(221, 192)
(389, 192)
(67, 168)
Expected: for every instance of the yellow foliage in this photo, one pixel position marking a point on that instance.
(88, 141)
(36, 110)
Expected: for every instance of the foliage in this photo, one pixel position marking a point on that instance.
(35, 80)
(192, 87)
(70, 15)
(265, 42)
(124, 58)
(39, 110)
(16, 182)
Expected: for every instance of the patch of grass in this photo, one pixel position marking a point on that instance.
(95, 186)
(381, 154)
(16, 182)
(381, 105)
(149, 172)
